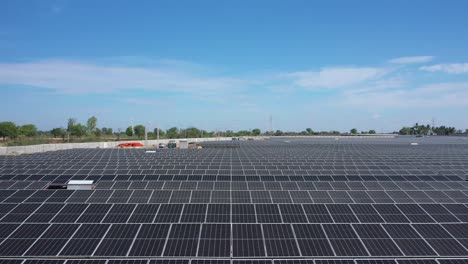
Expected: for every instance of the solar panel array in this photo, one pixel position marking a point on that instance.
(251, 202)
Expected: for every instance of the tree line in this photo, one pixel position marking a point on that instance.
(90, 131)
(11, 130)
(77, 131)
(418, 129)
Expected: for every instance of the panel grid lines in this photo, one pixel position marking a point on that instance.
(306, 201)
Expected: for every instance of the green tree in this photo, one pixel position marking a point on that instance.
(58, 132)
(91, 123)
(229, 133)
(78, 130)
(309, 131)
(372, 131)
(278, 133)
(256, 132)
(71, 122)
(107, 131)
(405, 131)
(204, 133)
(28, 130)
(119, 133)
(418, 129)
(243, 133)
(172, 132)
(353, 131)
(129, 131)
(97, 132)
(191, 132)
(139, 131)
(161, 132)
(8, 129)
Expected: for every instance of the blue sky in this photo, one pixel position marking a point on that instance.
(328, 65)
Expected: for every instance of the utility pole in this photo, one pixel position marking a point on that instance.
(146, 135)
(431, 131)
(271, 123)
(157, 136)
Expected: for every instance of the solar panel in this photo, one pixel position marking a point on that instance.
(306, 202)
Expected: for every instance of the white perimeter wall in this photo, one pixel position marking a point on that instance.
(113, 144)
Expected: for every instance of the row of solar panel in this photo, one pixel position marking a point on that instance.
(235, 231)
(237, 261)
(218, 185)
(295, 156)
(138, 168)
(248, 163)
(450, 160)
(237, 240)
(279, 161)
(244, 197)
(73, 169)
(232, 177)
(331, 150)
(205, 159)
(212, 185)
(225, 185)
(233, 213)
(255, 153)
(218, 175)
(228, 171)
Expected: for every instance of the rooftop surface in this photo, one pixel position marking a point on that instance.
(283, 200)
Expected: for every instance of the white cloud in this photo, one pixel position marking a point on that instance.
(130, 73)
(335, 77)
(78, 77)
(454, 68)
(393, 82)
(371, 87)
(414, 59)
(164, 102)
(282, 89)
(439, 95)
